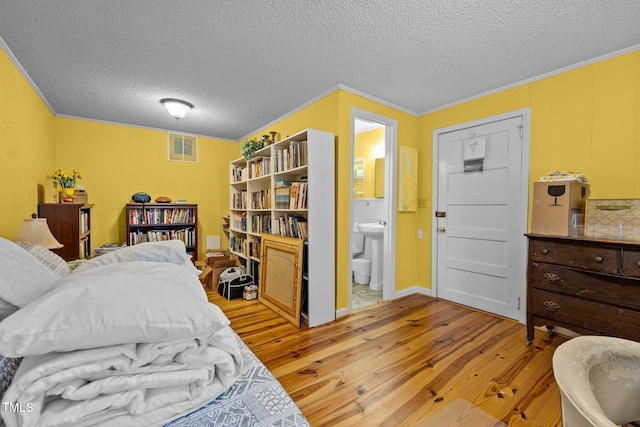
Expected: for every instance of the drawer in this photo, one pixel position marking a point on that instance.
(631, 263)
(604, 260)
(623, 292)
(591, 315)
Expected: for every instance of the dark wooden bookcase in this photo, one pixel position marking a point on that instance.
(70, 224)
(148, 222)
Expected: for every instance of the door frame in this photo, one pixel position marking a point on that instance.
(390, 148)
(523, 222)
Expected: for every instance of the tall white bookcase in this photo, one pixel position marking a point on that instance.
(305, 163)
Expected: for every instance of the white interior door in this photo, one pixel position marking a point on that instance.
(481, 215)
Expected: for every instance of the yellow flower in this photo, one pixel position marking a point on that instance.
(66, 179)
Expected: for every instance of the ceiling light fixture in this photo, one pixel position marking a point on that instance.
(176, 107)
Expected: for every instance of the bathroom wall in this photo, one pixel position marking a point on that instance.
(368, 210)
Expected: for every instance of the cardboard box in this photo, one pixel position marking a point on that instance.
(80, 197)
(213, 255)
(205, 276)
(558, 208)
(206, 273)
(613, 219)
(219, 260)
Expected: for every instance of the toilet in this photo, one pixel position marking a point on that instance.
(361, 266)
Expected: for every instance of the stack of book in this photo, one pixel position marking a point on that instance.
(298, 196)
(292, 226)
(108, 247)
(291, 157)
(261, 199)
(282, 196)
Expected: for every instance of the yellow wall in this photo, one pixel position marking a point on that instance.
(332, 113)
(584, 120)
(26, 147)
(365, 146)
(408, 274)
(117, 161)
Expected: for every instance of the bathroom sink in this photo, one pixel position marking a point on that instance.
(375, 232)
(372, 230)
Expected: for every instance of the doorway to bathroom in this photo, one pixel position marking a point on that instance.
(372, 221)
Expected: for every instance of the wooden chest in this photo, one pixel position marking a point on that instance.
(585, 285)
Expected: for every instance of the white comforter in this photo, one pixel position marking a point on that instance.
(130, 340)
(122, 385)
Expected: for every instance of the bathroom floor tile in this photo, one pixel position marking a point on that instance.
(362, 296)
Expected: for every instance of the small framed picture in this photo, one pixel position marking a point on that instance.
(182, 148)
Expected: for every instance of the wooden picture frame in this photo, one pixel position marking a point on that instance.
(182, 148)
(281, 275)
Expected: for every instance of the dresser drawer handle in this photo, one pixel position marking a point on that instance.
(638, 263)
(551, 277)
(545, 252)
(598, 259)
(551, 306)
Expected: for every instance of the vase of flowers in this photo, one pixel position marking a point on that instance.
(67, 180)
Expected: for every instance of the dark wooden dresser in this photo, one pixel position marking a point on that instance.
(589, 286)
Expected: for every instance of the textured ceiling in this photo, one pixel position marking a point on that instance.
(246, 63)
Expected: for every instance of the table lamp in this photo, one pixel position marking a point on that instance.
(36, 230)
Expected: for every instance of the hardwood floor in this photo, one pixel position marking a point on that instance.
(415, 361)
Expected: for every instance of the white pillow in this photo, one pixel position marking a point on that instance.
(173, 251)
(23, 277)
(50, 259)
(132, 302)
(6, 309)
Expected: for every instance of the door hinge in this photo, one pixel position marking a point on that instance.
(518, 303)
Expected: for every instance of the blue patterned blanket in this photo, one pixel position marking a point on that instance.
(256, 400)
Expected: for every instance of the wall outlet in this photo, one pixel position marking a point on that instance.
(422, 203)
(420, 234)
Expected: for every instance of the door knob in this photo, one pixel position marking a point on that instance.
(441, 229)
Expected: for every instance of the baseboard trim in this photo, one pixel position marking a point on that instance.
(398, 294)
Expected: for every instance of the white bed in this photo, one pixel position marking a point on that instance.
(128, 339)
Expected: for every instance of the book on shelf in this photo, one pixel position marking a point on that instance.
(238, 174)
(282, 196)
(238, 244)
(261, 199)
(291, 157)
(240, 200)
(240, 221)
(149, 216)
(298, 197)
(261, 223)
(292, 226)
(187, 235)
(259, 166)
(254, 249)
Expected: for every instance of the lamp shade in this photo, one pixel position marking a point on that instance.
(176, 107)
(36, 230)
